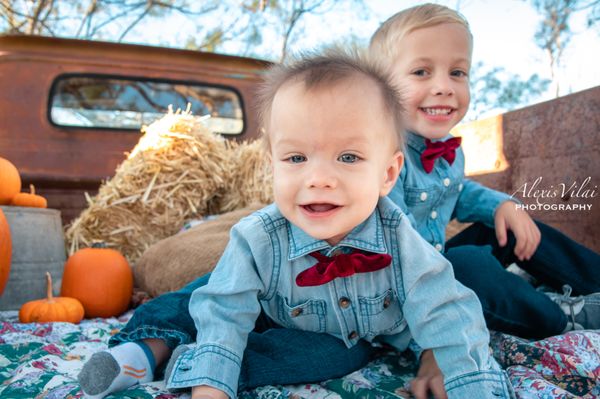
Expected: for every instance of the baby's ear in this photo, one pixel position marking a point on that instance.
(392, 172)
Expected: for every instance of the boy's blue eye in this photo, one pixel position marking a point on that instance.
(420, 72)
(458, 73)
(297, 158)
(348, 158)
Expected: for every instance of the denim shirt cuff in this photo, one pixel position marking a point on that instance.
(211, 365)
(492, 384)
(416, 349)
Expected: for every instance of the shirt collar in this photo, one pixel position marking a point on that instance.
(368, 236)
(417, 142)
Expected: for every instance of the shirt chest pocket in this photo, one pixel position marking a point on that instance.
(381, 314)
(421, 196)
(308, 316)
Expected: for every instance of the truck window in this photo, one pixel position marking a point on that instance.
(105, 102)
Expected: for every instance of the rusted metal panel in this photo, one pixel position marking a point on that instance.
(72, 159)
(555, 143)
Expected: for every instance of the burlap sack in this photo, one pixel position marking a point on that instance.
(175, 261)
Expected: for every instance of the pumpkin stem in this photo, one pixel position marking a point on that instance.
(99, 244)
(32, 189)
(49, 287)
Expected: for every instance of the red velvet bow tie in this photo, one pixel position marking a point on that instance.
(344, 265)
(434, 150)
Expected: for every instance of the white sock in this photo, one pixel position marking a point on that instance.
(116, 369)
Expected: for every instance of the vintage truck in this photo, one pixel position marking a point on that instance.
(71, 109)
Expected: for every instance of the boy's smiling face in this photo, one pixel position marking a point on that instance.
(432, 69)
(334, 153)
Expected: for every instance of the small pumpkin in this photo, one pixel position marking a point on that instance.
(5, 251)
(30, 199)
(101, 279)
(51, 308)
(10, 181)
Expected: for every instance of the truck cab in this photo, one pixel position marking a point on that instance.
(70, 109)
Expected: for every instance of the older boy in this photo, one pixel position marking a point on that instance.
(427, 49)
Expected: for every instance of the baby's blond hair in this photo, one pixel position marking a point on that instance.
(384, 43)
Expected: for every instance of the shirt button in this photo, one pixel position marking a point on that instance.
(460, 187)
(438, 246)
(446, 182)
(433, 214)
(353, 335)
(296, 312)
(344, 302)
(386, 302)
(423, 196)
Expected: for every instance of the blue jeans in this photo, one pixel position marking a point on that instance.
(510, 304)
(273, 356)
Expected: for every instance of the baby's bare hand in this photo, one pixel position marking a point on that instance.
(428, 379)
(206, 392)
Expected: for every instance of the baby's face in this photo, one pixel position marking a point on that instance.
(432, 70)
(334, 154)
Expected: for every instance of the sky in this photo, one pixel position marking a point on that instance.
(503, 33)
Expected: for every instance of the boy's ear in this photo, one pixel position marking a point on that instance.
(392, 172)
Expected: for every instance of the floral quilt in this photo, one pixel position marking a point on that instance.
(43, 360)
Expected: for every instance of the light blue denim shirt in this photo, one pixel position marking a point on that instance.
(431, 200)
(415, 298)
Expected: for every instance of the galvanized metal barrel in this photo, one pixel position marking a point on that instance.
(38, 246)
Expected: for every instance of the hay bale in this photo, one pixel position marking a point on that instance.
(250, 177)
(177, 171)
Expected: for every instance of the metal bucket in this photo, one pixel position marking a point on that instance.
(38, 246)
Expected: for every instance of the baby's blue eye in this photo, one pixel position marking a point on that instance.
(420, 72)
(348, 158)
(458, 73)
(297, 158)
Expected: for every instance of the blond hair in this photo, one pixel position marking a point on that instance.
(383, 47)
(334, 66)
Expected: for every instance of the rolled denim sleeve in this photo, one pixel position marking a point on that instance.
(450, 322)
(224, 312)
(477, 203)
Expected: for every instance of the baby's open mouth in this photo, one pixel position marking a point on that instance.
(318, 208)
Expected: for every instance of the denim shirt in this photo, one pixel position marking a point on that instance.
(431, 200)
(415, 298)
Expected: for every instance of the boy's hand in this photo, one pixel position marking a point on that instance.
(428, 379)
(528, 236)
(206, 392)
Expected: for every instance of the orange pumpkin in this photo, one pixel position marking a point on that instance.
(29, 199)
(51, 308)
(5, 251)
(101, 279)
(10, 181)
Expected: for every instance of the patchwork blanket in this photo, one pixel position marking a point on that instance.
(43, 360)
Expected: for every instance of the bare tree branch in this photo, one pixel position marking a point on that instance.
(135, 22)
(299, 9)
(112, 19)
(87, 17)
